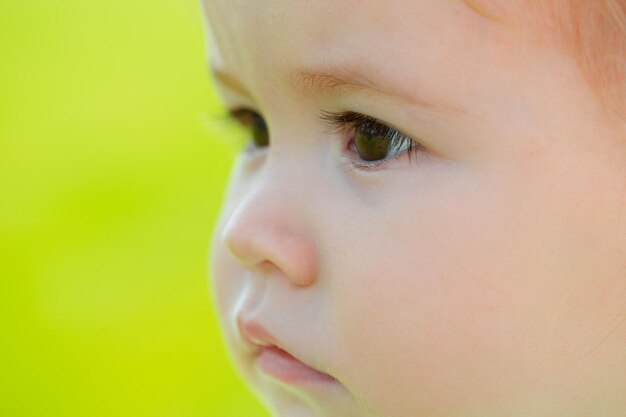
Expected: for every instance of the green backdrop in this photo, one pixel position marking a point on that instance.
(111, 178)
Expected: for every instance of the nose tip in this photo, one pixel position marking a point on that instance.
(272, 248)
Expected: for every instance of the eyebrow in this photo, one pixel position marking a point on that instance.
(335, 81)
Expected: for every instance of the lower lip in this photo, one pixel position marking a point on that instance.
(281, 365)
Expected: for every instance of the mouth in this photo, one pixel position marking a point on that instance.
(283, 366)
(274, 360)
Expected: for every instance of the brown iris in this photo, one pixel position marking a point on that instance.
(372, 142)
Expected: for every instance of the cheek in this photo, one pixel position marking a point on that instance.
(226, 276)
(220, 268)
(224, 285)
(410, 308)
(227, 281)
(458, 300)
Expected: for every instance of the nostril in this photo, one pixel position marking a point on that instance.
(266, 267)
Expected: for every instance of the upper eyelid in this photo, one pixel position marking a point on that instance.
(237, 112)
(346, 117)
(335, 122)
(338, 121)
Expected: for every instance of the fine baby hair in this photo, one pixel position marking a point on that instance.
(593, 32)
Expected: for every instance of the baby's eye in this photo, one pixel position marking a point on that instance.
(374, 142)
(255, 124)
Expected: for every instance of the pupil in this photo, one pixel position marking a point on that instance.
(371, 144)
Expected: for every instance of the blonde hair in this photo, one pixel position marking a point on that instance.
(593, 32)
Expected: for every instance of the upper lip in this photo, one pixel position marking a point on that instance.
(256, 334)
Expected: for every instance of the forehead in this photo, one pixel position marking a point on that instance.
(256, 41)
(270, 28)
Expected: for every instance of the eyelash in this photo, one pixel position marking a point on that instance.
(348, 121)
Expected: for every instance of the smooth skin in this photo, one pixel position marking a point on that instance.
(484, 277)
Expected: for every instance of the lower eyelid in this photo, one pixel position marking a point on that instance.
(359, 166)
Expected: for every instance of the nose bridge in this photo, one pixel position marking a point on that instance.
(265, 229)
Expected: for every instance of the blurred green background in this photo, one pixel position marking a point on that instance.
(111, 179)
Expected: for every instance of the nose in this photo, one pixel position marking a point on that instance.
(265, 233)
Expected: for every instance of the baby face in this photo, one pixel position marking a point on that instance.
(431, 214)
